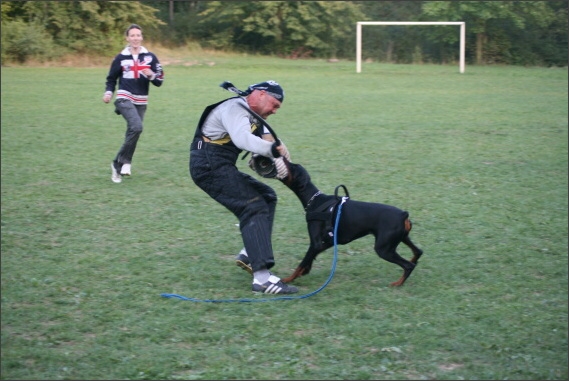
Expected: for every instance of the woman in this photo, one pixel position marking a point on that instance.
(134, 68)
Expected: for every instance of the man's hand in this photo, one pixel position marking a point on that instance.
(278, 149)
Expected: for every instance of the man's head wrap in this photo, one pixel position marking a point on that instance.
(271, 87)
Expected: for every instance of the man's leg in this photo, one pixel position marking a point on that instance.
(247, 199)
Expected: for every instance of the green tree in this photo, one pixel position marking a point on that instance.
(543, 41)
(85, 27)
(294, 28)
(511, 32)
(22, 40)
(182, 25)
(483, 17)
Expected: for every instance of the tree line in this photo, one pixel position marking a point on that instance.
(497, 32)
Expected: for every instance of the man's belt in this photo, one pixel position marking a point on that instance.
(220, 142)
(198, 142)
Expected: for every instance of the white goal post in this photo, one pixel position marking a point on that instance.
(359, 36)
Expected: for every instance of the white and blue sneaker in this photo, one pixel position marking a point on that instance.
(273, 286)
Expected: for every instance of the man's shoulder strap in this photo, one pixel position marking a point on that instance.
(209, 109)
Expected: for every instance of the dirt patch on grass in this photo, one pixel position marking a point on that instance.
(450, 366)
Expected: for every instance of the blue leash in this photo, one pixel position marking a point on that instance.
(279, 297)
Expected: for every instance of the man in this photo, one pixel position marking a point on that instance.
(224, 130)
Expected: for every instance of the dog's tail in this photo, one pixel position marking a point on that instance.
(408, 225)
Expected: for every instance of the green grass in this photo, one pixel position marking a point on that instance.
(479, 160)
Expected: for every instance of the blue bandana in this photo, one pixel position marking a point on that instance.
(271, 87)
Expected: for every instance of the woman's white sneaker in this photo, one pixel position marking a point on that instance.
(125, 170)
(115, 176)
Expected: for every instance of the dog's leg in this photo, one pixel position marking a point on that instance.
(387, 252)
(416, 251)
(406, 272)
(316, 233)
(306, 264)
(407, 241)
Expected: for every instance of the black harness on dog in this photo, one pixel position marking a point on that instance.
(326, 211)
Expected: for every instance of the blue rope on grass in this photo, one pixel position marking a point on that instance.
(248, 300)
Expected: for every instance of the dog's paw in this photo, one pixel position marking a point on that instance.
(287, 279)
(297, 273)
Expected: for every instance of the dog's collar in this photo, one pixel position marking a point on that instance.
(312, 199)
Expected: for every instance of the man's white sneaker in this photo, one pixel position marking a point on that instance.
(115, 176)
(125, 170)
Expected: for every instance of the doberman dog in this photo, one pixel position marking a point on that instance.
(389, 225)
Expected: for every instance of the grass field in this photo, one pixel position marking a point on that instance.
(478, 159)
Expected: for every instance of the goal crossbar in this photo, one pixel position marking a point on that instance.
(359, 36)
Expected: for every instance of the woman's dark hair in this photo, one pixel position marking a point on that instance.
(132, 26)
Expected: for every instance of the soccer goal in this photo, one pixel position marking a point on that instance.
(359, 36)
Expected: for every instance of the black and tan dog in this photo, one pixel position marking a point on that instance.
(388, 224)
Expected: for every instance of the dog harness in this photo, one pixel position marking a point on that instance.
(326, 211)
